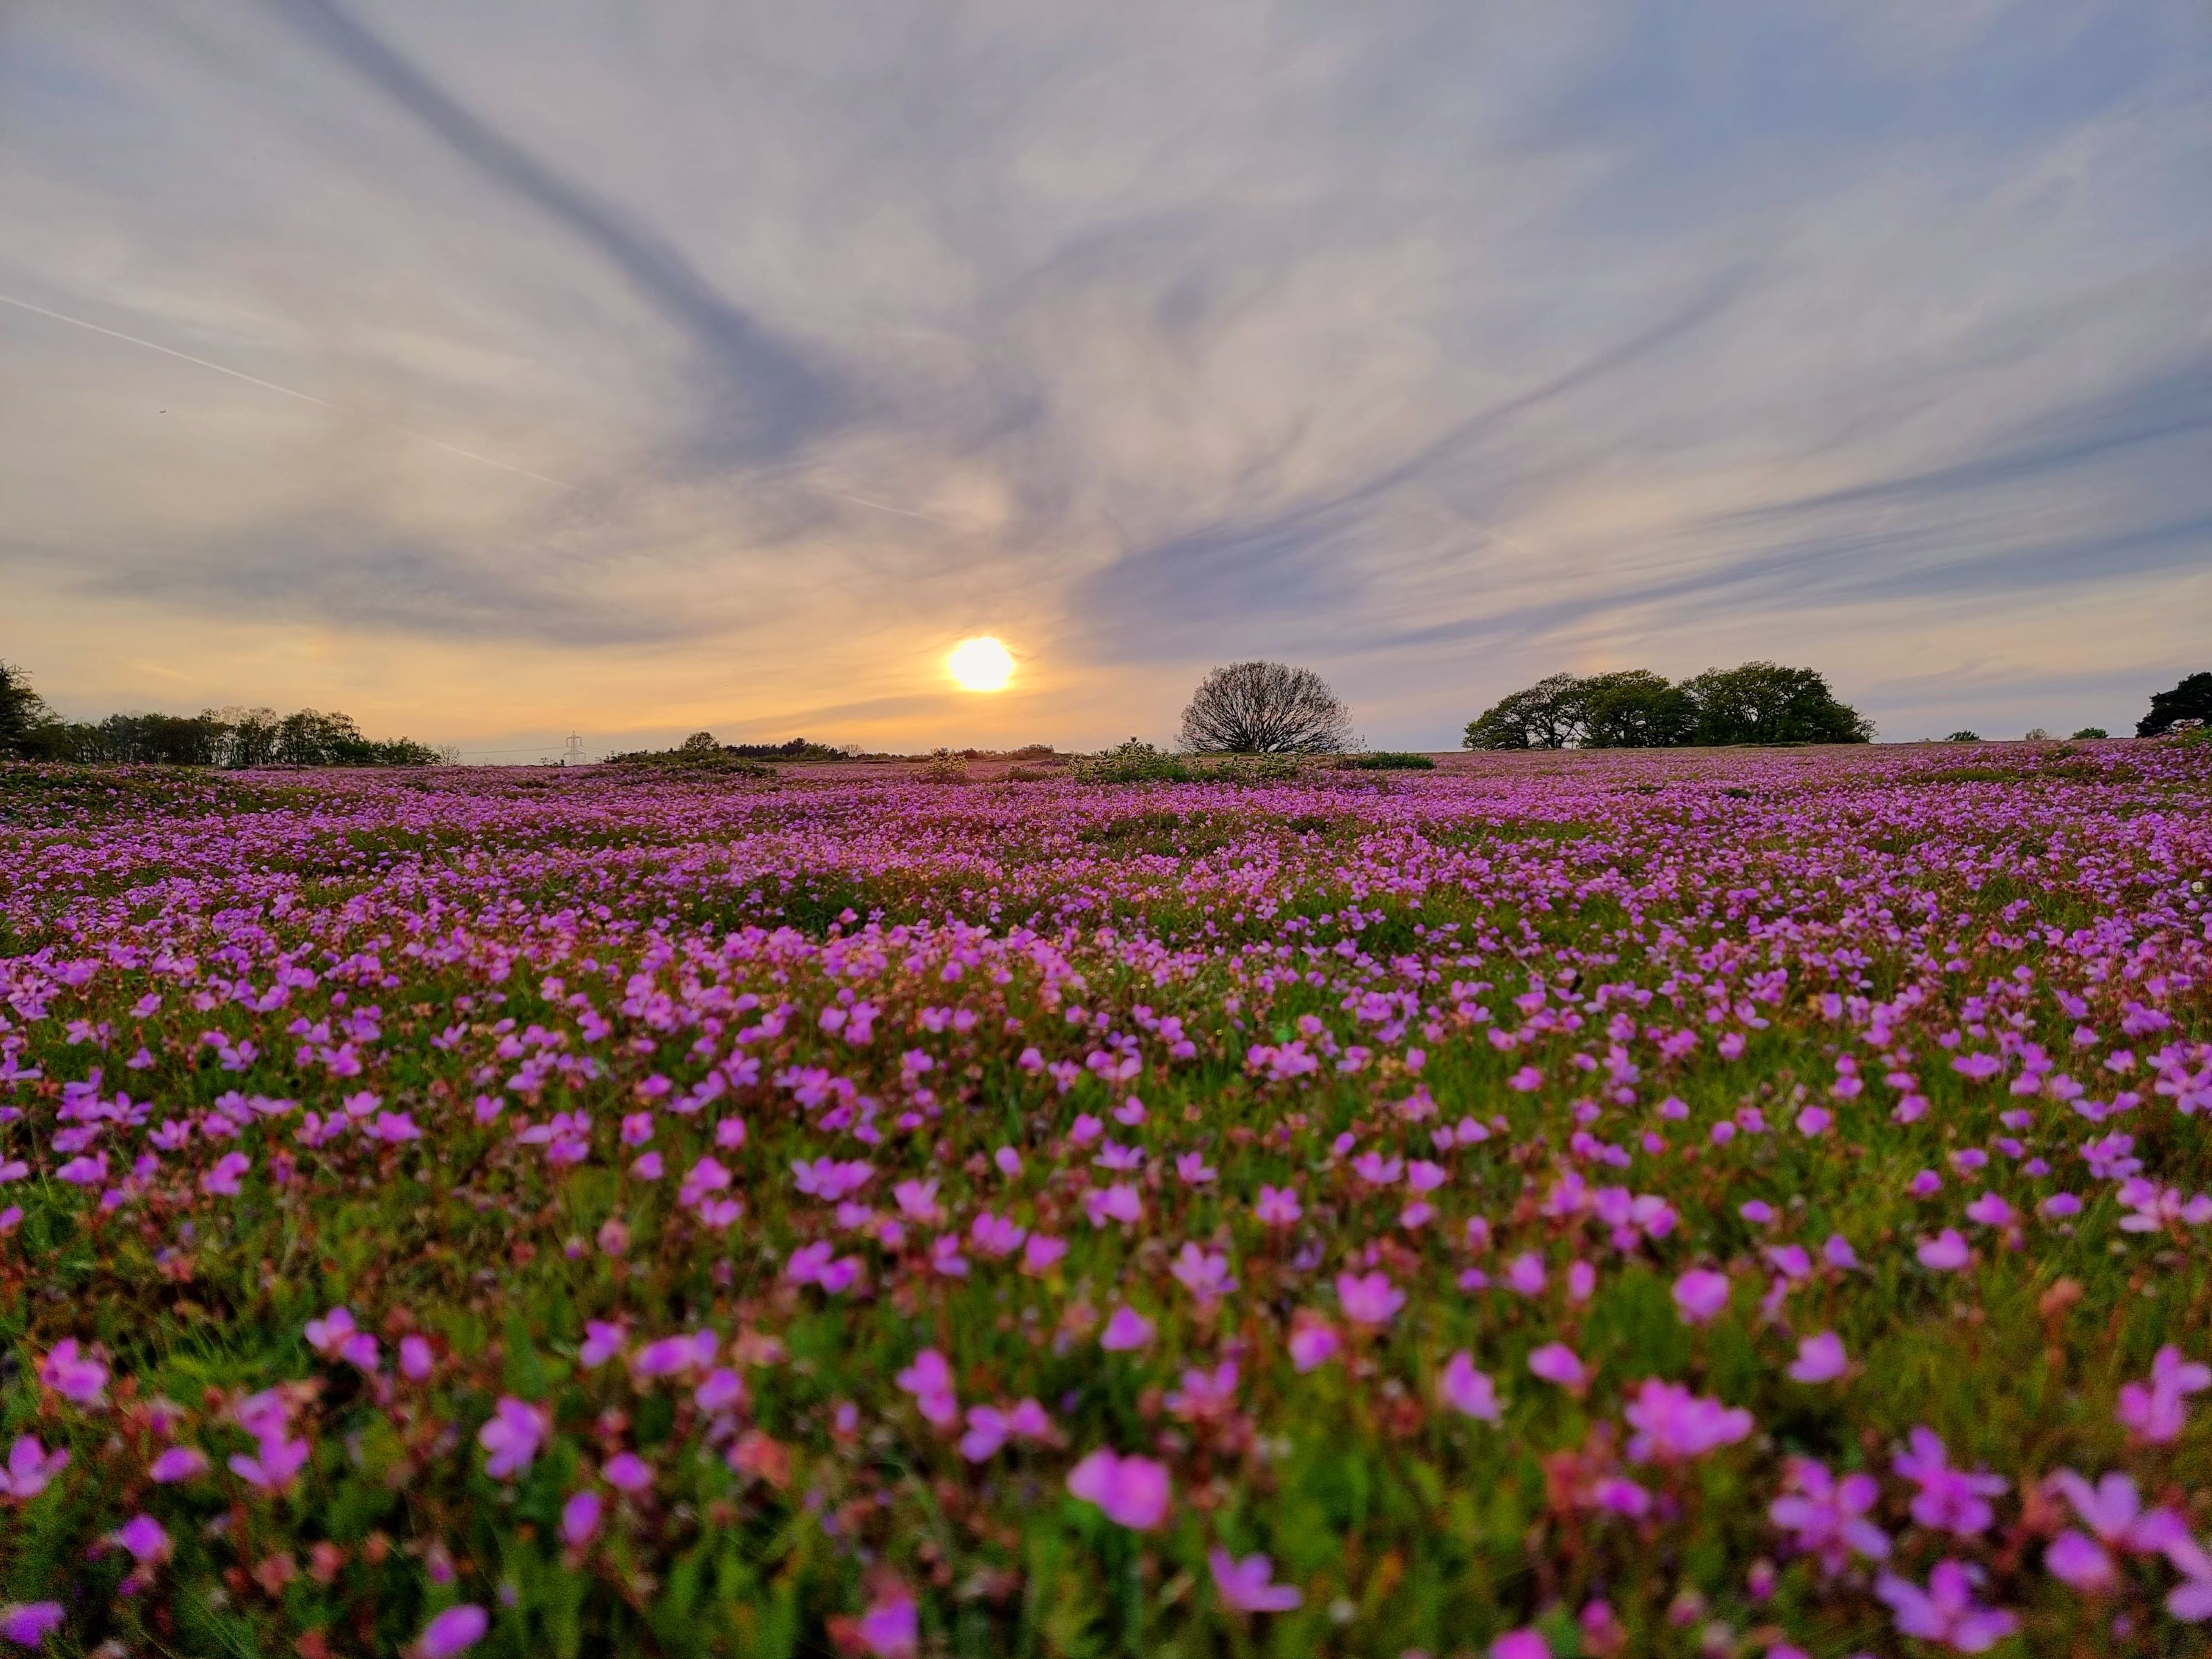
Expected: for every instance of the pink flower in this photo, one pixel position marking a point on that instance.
(1131, 1490)
(626, 1472)
(602, 1342)
(1945, 1253)
(1278, 1207)
(929, 1380)
(2154, 1409)
(1244, 1585)
(579, 1518)
(1522, 1643)
(73, 1375)
(415, 1359)
(275, 1463)
(177, 1463)
(453, 1630)
(30, 1467)
(28, 1624)
(1127, 1329)
(142, 1539)
(1468, 1390)
(1556, 1363)
(1700, 1295)
(1042, 1254)
(1368, 1299)
(512, 1435)
(1820, 1358)
(890, 1628)
(1671, 1423)
(222, 1181)
(1826, 1516)
(1946, 1611)
(2080, 1563)
(1949, 1500)
(1313, 1344)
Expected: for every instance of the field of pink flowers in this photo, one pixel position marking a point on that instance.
(1730, 1204)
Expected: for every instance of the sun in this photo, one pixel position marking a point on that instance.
(980, 665)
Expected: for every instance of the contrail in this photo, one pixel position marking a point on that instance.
(286, 390)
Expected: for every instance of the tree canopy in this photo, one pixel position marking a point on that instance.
(1759, 702)
(2191, 700)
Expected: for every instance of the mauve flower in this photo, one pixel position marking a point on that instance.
(1945, 1253)
(1468, 1390)
(626, 1472)
(1278, 1207)
(512, 1435)
(1826, 1516)
(1671, 1423)
(415, 1358)
(30, 1467)
(141, 1538)
(1820, 1358)
(1556, 1363)
(1949, 1500)
(1244, 1585)
(28, 1624)
(1524, 1643)
(1313, 1344)
(2080, 1563)
(2156, 1408)
(1368, 1299)
(453, 1630)
(1126, 1330)
(177, 1463)
(275, 1464)
(73, 1375)
(579, 1518)
(890, 1628)
(1131, 1490)
(1946, 1611)
(602, 1342)
(1700, 1295)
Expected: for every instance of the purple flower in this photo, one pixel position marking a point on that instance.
(1945, 1253)
(1126, 1330)
(1820, 1358)
(511, 1435)
(1556, 1363)
(28, 1624)
(1700, 1295)
(892, 1627)
(1949, 1500)
(1368, 1299)
(177, 1463)
(453, 1630)
(1313, 1344)
(626, 1472)
(1468, 1390)
(1825, 1516)
(141, 1538)
(1245, 1585)
(30, 1467)
(2156, 1408)
(1671, 1423)
(1133, 1491)
(1946, 1611)
(579, 1518)
(73, 1375)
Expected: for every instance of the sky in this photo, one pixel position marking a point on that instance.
(496, 371)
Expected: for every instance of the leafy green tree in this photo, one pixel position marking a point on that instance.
(23, 713)
(2090, 733)
(1765, 702)
(1635, 708)
(1549, 715)
(2191, 700)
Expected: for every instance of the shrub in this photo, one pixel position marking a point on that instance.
(2090, 732)
(698, 753)
(1388, 760)
(1964, 737)
(1264, 708)
(2035, 734)
(943, 766)
(1132, 761)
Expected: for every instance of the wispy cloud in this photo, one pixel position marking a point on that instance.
(1440, 346)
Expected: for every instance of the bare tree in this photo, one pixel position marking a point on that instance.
(1265, 709)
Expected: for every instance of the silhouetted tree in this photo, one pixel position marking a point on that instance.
(2191, 700)
(1264, 708)
(23, 712)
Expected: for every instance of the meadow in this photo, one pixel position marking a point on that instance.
(1720, 1203)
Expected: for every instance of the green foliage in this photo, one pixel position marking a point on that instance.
(1964, 737)
(2190, 700)
(698, 753)
(1388, 760)
(1758, 702)
(2089, 733)
(1132, 761)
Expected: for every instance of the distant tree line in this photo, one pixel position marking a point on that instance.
(229, 737)
(1759, 702)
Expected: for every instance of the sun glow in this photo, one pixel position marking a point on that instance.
(980, 665)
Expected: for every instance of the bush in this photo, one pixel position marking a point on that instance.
(943, 766)
(698, 753)
(1388, 760)
(1964, 737)
(1132, 761)
(2035, 734)
(1264, 708)
(2089, 733)
(794, 749)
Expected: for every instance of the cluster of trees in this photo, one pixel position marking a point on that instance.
(1761, 702)
(2189, 705)
(230, 738)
